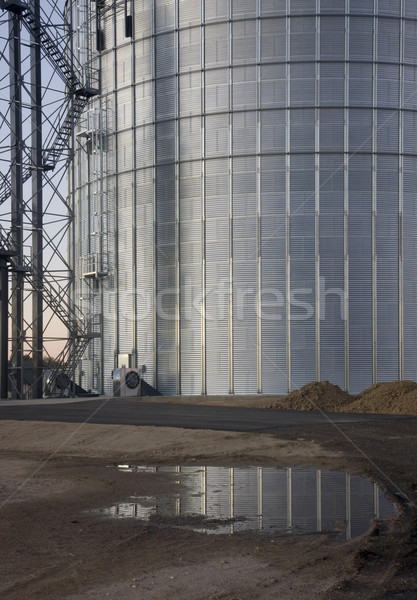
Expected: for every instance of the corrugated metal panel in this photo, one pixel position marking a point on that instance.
(120, 25)
(190, 138)
(244, 91)
(302, 325)
(333, 6)
(108, 26)
(165, 141)
(125, 311)
(216, 9)
(362, 7)
(164, 15)
(243, 9)
(123, 65)
(388, 132)
(360, 129)
(190, 207)
(244, 132)
(216, 46)
(190, 94)
(144, 146)
(217, 135)
(272, 7)
(273, 131)
(332, 37)
(166, 98)
(388, 85)
(302, 130)
(142, 18)
(217, 90)
(303, 91)
(332, 129)
(125, 151)
(360, 84)
(273, 86)
(143, 60)
(244, 41)
(273, 39)
(303, 38)
(189, 12)
(409, 87)
(410, 41)
(360, 37)
(144, 103)
(331, 84)
(124, 109)
(410, 123)
(190, 48)
(106, 71)
(390, 7)
(388, 40)
(165, 55)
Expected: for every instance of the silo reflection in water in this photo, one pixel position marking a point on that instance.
(235, 499)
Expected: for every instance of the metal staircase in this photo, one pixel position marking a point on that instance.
(80, 330)
(82, 83)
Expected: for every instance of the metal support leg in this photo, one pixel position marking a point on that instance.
(4, 333)
(37, 208)
(16, 143)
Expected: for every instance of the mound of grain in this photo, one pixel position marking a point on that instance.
(389, 397)
(317, 395)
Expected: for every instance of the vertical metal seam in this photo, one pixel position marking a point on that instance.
(401, 200)
(116, 201)
(287, 198)
(230, 152)
(134, 200)
(203, 207)
(177, 205)
(346, 201)
(154, 200)
(258, 199)
(374, 199)
(317, 197)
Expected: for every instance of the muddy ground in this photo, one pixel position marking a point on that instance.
(52, 547)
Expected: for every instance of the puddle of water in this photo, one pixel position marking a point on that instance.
(228, 500)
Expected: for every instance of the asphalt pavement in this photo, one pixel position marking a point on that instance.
(127, 411)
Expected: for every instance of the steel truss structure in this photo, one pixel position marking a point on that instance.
(44, 88)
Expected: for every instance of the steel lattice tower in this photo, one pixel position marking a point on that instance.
(39, 108)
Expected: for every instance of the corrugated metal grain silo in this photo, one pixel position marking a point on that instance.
(244, 192)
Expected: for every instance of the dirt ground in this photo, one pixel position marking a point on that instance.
(53, 547)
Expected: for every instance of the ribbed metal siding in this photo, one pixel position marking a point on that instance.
(264, 180)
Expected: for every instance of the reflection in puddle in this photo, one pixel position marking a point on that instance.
(292, 500)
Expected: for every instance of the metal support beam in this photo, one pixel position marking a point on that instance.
(37, 203)
(4, 329)
(16, 147)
